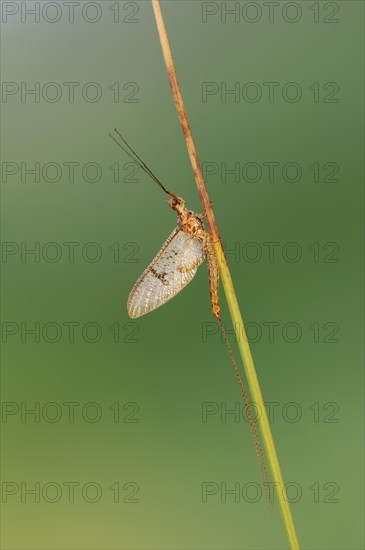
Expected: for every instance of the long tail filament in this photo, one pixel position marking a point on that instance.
(255, 436)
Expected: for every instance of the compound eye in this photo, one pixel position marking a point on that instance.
(174, 202)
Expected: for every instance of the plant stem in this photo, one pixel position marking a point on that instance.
(229, 290)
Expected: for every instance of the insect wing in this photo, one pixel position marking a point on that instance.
(170, 271)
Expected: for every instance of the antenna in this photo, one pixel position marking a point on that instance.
(137, 159)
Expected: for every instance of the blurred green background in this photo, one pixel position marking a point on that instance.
(131, 444)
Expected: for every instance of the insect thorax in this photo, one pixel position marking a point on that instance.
(191, 224)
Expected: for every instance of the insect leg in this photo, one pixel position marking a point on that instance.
(194, 265)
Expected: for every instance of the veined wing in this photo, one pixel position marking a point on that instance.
(169, 272)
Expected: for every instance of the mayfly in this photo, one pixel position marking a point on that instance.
(174, 266)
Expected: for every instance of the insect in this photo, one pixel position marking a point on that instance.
(176, 263)
(174, 266)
